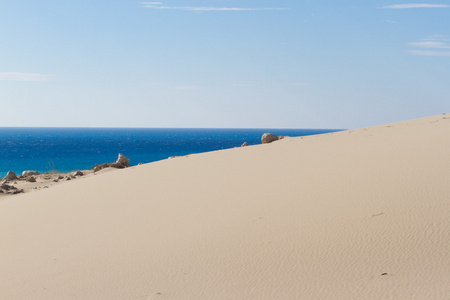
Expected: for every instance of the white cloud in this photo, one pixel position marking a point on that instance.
(241, 85)
(430, 53)
(16, 76)
(430, 44)
(299, 84)
(158, 5)
(423, 5)
(436, 42)
(187, 87)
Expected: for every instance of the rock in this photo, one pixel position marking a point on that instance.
(68, 178)
(11, 176)
(268, 138)
(101, 167)
(31, 179)
(122, 160)
(244, 144)
(9, 189)
(5, 186)
(78, 173)
(29, 173)
(118, 165)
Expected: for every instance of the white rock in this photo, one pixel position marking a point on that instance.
(268, 138)
(123, 160)
(29, 173)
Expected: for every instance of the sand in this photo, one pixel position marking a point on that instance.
(359, 214)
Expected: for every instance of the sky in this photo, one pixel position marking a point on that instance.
(223, 63)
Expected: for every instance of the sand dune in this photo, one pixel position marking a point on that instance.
(359, 214)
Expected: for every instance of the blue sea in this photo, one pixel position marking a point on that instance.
(69, 149)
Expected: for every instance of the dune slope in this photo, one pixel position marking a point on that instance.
(360, 214)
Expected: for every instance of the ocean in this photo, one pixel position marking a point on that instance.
(69, 149)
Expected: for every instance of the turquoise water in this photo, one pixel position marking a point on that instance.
(68, 149)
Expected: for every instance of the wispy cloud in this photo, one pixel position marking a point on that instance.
(299, 84)
(241, 85)
(431, 44)
(273, 84)
(430, 53)
(435, 43)
(187, 87)
(158, 5)
(418, 5)
(16, 76)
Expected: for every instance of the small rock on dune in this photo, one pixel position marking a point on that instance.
(268, 138)
(9, 189)
(244, 144)
(11, 176)
(31, 179)
(78, 173)
(123, 160)
(118, 165)
(101, 167)
(29, 173)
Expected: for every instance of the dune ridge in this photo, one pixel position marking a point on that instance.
(358, 214)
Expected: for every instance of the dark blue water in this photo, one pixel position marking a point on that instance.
(68, 149)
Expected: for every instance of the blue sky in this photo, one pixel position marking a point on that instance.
(223, 63)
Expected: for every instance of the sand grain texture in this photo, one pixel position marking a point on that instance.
(319, 217)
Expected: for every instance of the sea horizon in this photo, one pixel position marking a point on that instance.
(66, 149)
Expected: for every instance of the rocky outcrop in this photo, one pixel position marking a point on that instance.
(121, 163)
(244, 144)
(268, 138)
(9, 189)
(78, 173)
(10, 176)
(29, 173)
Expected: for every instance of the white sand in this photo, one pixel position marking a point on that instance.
(320, 217)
